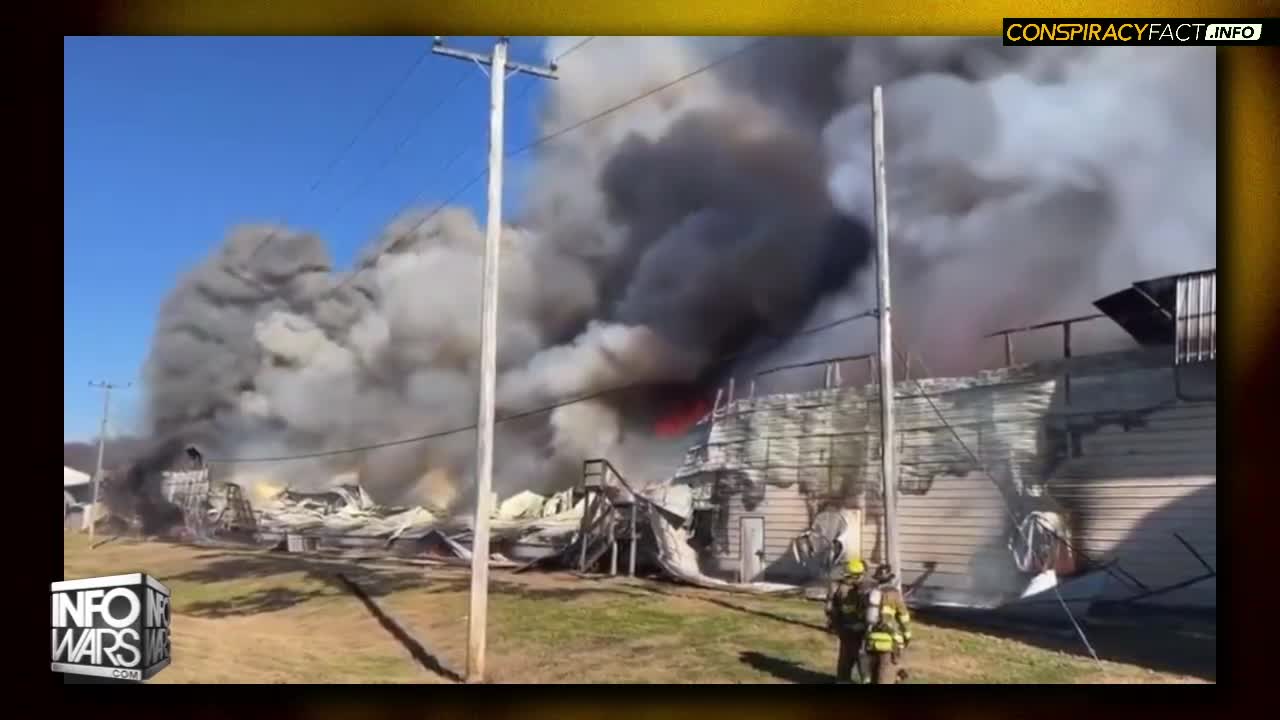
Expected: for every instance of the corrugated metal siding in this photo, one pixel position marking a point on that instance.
(1130, 486)
(804, 454)
(960, 528)
(185, 487)
(1129, 462)
(828, 441)
(784, 457)
(786, 512)
(1196, 317)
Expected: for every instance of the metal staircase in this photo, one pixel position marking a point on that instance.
(236, 514)
(609, 516)
(189, 491)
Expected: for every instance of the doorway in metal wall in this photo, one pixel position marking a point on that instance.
(751, 555)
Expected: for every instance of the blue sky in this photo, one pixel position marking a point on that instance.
(169, 142)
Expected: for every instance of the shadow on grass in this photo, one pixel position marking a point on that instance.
(764, 614)
(784, 669)
(426, 659)
(745, 610)
(1164, 644)
(559, 593)
(374, 580)
(231, 567)
(258, 601)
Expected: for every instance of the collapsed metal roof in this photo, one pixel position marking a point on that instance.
(74, 478)
(1178, 310)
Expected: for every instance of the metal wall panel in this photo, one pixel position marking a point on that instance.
(1196, 318)
(1126, 459)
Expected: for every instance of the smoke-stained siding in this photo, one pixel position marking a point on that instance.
(786, 514)
(960, 528)
(785, 457)
(1136, 521)
(1114, 447)
(828, 440)
(1135, 484)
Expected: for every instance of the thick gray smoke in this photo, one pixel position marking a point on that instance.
(725, 212)
(1023, 185)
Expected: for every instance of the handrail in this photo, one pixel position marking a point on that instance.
(600, 515)
(1065, 324)
(605, 469)
(815, 363)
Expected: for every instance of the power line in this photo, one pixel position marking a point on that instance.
(749, 47)
(572, 50)
(439, 207)
(529, 146)
(478, 603)
(413, 132)
(546, 408)
(982, 466)
(462, 151)
(479, 176)
(434, 211)
(1012, 516)
(342, 154)
(106, 388)
(564, 131)
(377, 113)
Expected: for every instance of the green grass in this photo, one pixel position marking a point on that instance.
(248, 616)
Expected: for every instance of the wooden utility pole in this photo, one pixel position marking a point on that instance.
(102, 446)
(888, 450)
(477, 616)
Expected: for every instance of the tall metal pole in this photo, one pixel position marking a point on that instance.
(635, 535)
(477, 617)
(888, 450)
(102, 446)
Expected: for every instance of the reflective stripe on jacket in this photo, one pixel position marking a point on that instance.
(896, 614)
(880, 641)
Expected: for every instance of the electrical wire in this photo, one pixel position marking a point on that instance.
(373, 118)
(536, 143)
(987, 472)
(437, 209)
(546, 408)
(1076, 625)
(560, 133)
(342, 154)
(571, 50)
(462, 151)
(727, 57)
(413, 132)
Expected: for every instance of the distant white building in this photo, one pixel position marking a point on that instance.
(77, 485)
(77, 494)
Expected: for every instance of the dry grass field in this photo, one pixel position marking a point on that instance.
(248, 616)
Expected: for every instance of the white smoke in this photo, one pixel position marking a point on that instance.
(706, 218)
(1021, 197)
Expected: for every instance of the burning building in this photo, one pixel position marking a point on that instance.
(1110, 459)
(697, 235)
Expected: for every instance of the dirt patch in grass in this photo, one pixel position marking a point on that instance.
(268, 617)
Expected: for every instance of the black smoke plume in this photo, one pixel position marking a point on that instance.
(729, 208)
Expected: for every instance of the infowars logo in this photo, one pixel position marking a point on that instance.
(113, 627)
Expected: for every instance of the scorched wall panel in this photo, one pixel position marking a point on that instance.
(1145, 495)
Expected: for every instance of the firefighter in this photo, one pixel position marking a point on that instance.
(847, 617)
(894, 614)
